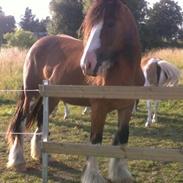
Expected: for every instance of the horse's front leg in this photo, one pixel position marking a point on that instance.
(155, 115)
(149, 114)
(92, 173)
(118, 168)
(86, 110)
(66, 111)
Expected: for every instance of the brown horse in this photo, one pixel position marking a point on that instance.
(110, 56)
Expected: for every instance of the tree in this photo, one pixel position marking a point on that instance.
(42, 25)
(66, 18)
(164, 23)
(7, 24)
(1, 11)
(139, 9)
(30, 23)
(20, 38)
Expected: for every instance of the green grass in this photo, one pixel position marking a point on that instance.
(167, 133)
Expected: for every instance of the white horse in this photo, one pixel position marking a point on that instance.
(158, 72)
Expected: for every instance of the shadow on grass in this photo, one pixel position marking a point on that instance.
(167, 116)
(57, 172)
(66, 173)
(4, 101)
(169, 126)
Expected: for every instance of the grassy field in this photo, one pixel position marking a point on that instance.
(168, 132)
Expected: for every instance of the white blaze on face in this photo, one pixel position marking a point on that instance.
(88, 59)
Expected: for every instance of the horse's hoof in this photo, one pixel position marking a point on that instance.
(154, 120)
(21, 168)
(92, 177)
(18, 168)
(65, 117)
(147, 124)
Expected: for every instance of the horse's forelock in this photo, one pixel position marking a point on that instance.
(96, 13)
(93, 16)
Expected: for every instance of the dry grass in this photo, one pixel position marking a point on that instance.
(174, 56)
(11, 64)
(11, 59)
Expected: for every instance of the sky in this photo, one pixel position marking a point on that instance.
(40, 8)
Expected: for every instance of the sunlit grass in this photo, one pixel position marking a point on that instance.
(11, 64)
(174, 56)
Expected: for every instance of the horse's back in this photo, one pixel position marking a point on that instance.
(52, 49)
(47, 54)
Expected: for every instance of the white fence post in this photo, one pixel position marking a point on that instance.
(45, 136)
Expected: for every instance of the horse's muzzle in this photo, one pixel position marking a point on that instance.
(87, 70)
(89, 65)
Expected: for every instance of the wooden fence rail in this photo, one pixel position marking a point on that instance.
(106, 92)
(132, 153)
(111, 92)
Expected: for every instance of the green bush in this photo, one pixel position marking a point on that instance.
(20, 38)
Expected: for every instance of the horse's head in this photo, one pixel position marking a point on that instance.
(106, 27)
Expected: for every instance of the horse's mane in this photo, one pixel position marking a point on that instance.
(96, 13)
(93, 15)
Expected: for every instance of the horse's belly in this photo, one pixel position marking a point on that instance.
(77, 101)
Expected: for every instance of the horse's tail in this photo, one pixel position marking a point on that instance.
(35, 114)
(15, 123)
(172, 73)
